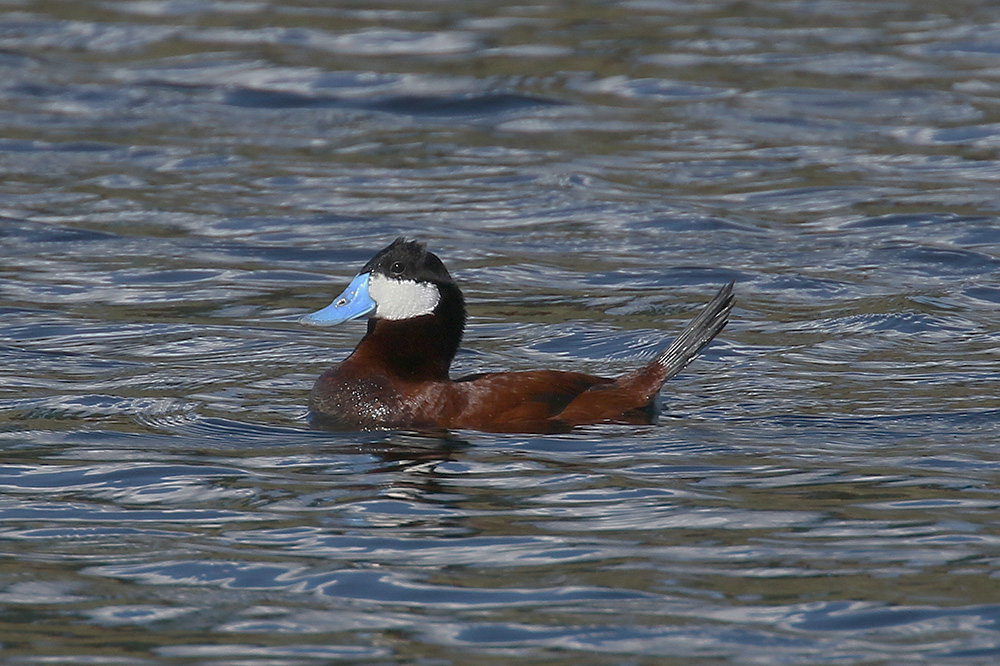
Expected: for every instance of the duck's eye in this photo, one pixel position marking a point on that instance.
(342, 302)
(397, 268)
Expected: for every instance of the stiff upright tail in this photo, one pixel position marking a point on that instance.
(631, 397)
(697, 334)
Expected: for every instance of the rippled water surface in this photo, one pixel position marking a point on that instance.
(179, 181)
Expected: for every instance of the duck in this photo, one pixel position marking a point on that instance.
(398, 376)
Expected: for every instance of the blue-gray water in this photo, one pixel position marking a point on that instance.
(180, 180)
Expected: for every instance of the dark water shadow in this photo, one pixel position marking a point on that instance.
(480, 104)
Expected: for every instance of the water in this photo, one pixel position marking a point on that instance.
(180, 180)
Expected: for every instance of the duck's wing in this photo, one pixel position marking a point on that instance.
(518, 401)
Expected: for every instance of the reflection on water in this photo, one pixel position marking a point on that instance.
(180, 181)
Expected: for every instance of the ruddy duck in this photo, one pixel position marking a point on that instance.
(397, 377)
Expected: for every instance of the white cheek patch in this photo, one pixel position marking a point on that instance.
(402, 299)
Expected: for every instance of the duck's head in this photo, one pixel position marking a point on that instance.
(403, 281)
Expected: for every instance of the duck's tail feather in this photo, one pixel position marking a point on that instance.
(629, 397)
(712, 319)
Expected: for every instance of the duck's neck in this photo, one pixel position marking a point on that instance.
(417, 349)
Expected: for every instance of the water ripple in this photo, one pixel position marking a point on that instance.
(179, 180)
